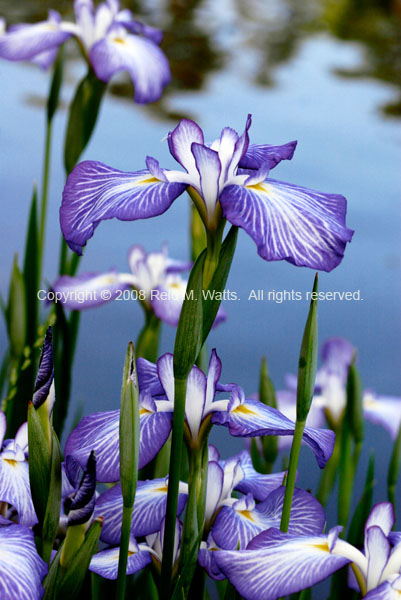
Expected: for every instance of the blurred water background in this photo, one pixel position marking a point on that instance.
(323, 72)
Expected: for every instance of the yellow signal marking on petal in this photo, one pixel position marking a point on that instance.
(11, 461)
(322, 546)
(259, 187)
(144, 411)
(247, 515)
(174, 286)
(162, 489)
(148, 180)
(244, 410)
(118, 40)
(130, 553)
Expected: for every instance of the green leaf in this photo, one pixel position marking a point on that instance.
(55, 86)
(39, 463)
(308, 359)
(188, 337)
(31, 271)
(52, 515)
(52, 578)
(267, 395)
(356, 530)
(211, 301)
(185, 577)
(394, 468)
(354, 408)
(129, 428)
(82, 118)
(16, 312)
(71, 580)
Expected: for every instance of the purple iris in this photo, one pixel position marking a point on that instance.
(226, 179)
(111, 40)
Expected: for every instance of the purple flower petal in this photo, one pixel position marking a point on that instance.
(251, 418)
(381, 515)
(3, 427)
(206, 560)
(258, 484)
(105, 563)
(280, 564)
(100, 432)
(337, 354)
(149, 509)
(15, 487)
(384, 411)
(21, 568)
(87, 289)
(215, 481)
(148, 377)
(180, 141)
(257, 155)
(209, 168)
(289, 222)
(26, 42)
(389, 590)
(95, 192)
(44, 387)
(145, 63)
(377, 550)
(82, 502)
(237, 524)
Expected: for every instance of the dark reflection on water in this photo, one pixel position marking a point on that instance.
(194, 35)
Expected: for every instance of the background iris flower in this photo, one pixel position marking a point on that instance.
(111, 41)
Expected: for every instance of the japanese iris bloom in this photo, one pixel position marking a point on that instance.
(155, 277)
(330, 392)
(226, 180)
(276, 564)
(243, 417)
(111, 40)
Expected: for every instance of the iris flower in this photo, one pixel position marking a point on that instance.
(154, 276)
(330, 392)
(226, 180)
(276, 564)
(244, 417)
(111, 41)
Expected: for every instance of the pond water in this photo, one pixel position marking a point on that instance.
(287, 67)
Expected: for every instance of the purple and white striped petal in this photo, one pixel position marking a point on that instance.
(384, 411)
(236, 524)
(180, 141)
(206, 560)
(168, 298)
(381, 515)
(289, 222)
(389, 590)
(100, 432)
(15, 487)
(21, 568)
(27, 42)
(280, 564)
(148, 377)
(377, 551)
(105, 563)
(258, 155)
(149, 509)
(82, 503)
(87, 289)
(214, 490)
(208, 165)
(95, 192)
(251, 418)
(145, 63)
(258, 484)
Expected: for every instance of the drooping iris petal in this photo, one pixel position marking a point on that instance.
(86, 289)
(280, 565)
(3, 427)
(206, 559)
(384, 411)
(257, 155)
(258, 484)
(237, 524)
(377, 550)
(149, 509)
(15, 487)
(250, 418)
(146, 64)
(289, 222)
(105, 562)
(21, 568)
(100, 432)
(26, 42)
(95, 192)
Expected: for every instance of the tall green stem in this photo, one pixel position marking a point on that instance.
(292, 474)
(147, 344)
(180, 389)
(124, 544)
(45, 188)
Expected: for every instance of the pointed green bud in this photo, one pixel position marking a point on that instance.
(16, 311)
(307, 363)
(354, 407)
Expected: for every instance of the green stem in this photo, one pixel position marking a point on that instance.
(214, 239)
(45, 188)
(292, 474)
(180, 388)
(147, 344)
(329, 474)
(123, 557)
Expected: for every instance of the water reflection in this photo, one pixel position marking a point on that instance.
(201, 37)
